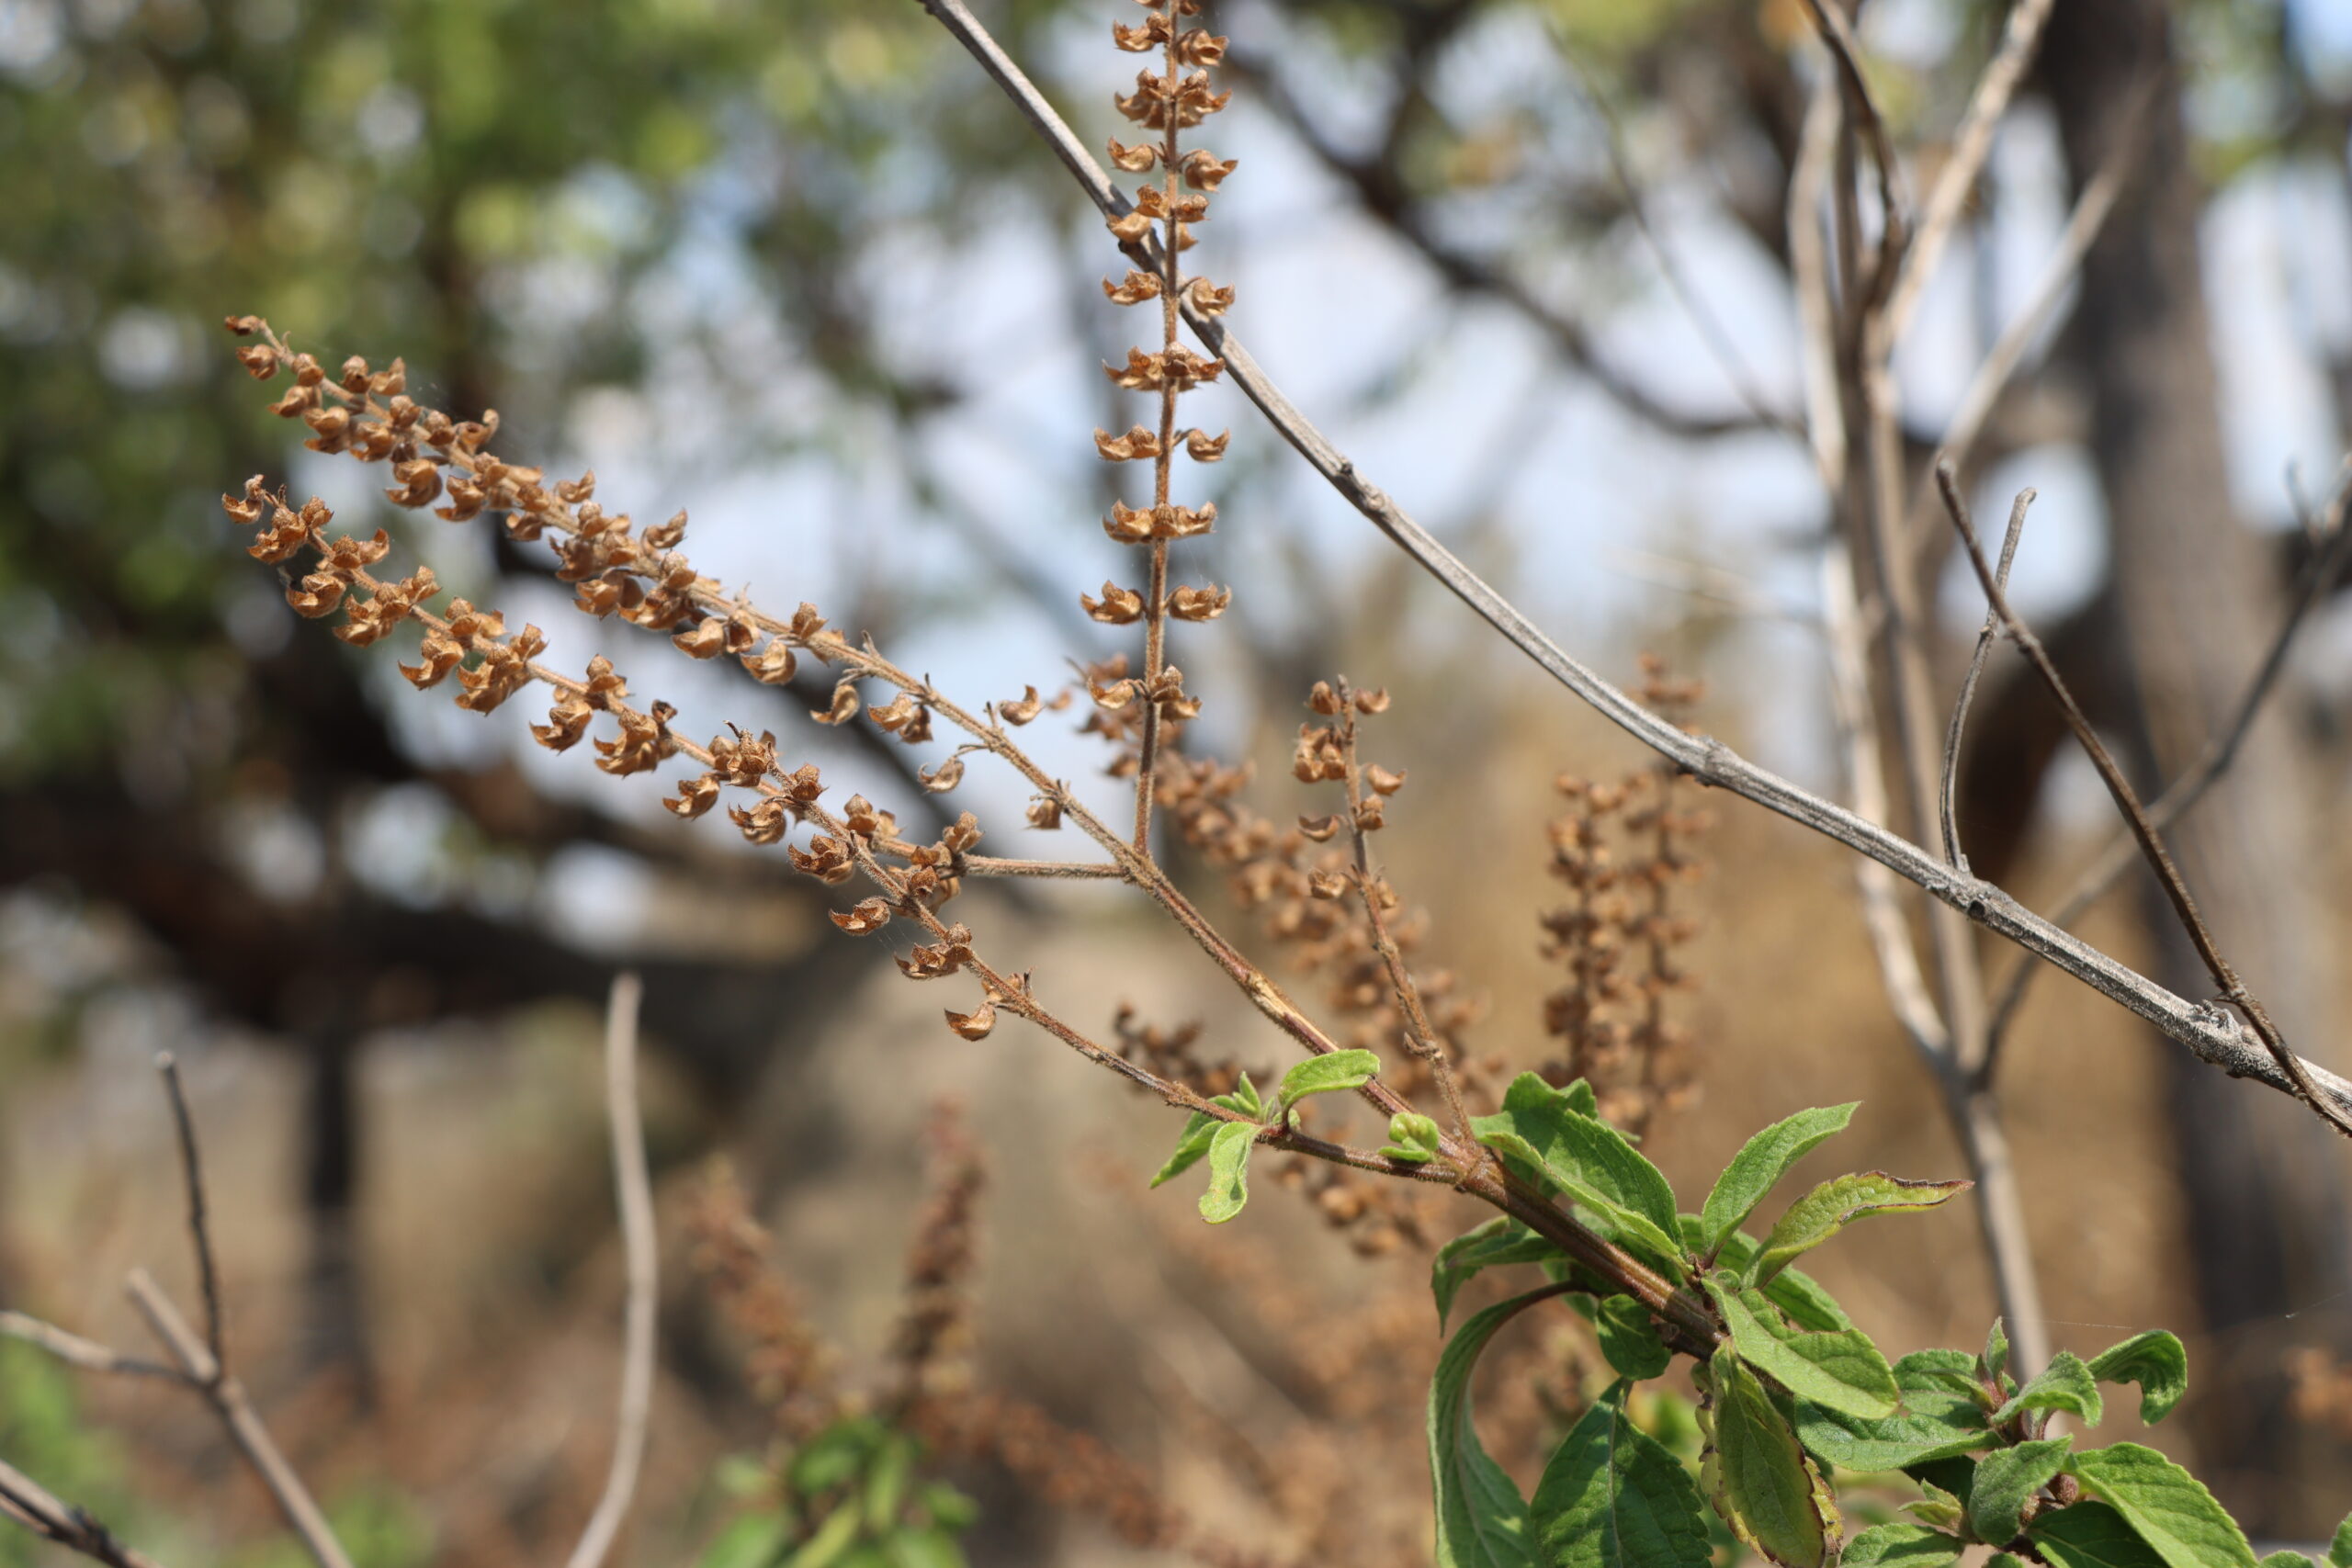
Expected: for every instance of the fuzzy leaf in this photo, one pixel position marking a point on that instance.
(1332, 1073)
(1759, 1165)
(1792, 1290)
(2169, 1507)
(1629, 1339)
(2091, 1535)
(2157, 1363)
(1499, 1241)
(1937, 1421)
(1228, 1171)
(1590, 1162)
(1194, 1142)
(2064, 1385)
(2339, 1550)
(1614, 1496)
(1841, 1371)
(1900, 1546)
(1938, 1507)
(1481, 1519)
(1996, 1360)
(1830, 1207)
(2286, 1560)
(2006, 1480)
(1758, 1478)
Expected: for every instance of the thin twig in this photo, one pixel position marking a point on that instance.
(2207, 1030)
(636, 1196)
(192, 1172)
(1836, 32)
(2127, 800)
(2320, 575)
(228, 1399)
(1946, 808)
(32, 1505)
(87, 1354)
(1970, 144)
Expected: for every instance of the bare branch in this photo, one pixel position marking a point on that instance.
(227, 1397)
(2319, 579)
(1970, 144)
(2127, 801)
(87, 1354)
(1968, 687)
(1836, 32)
(2210, 1032)
(636, 1190)
(26, 1501)
(192, 1172)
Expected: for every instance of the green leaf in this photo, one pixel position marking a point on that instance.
(1194, 1142)
(1499, 1241)
(2286, 1560)
(1629, 1339)
(1759, 1479)
(1411, 1136)
(924, 1549)
(1759, 1165)
(834, 1455)
(1481, 1519)
(948, 1509)
(2064, 1385)
(1793, 1290)
(2006, 1480)
(886, 1483)
(1590, 1162)
(1334, 1072)
(1996, 1360)
(2339, 1551)
(1228, 1171)
(1937, 1421)
(1830, 1207)
(754, 1540)
(2169, 1507)
(1840, 1370)
(2157, 1363)
(1614, 1496)
(832, 1540)
(1900, 1546)
(1940, 1508)
(2091, 1535)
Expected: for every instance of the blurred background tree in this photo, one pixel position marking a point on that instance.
(792, 263)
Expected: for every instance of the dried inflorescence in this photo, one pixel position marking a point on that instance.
(790, 1367)
(1141, 713)
(1621, 849)
(934, 1318)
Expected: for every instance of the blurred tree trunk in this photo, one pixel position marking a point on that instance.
(2195, 597)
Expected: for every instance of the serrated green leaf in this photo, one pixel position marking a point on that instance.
(1590, 1162)
(1936, 1421)
(2064, 1385)
(2167, 1507)
(2091, 1535)
(2006, 1479)
(1228, 1171)
(1758, 1478)
(1614, 1496)
(1335, 1072)
(1840, 1370)
(2339, 1550)
(1830, 1207)
(1481, 1519)
(1629, 1340)
(1581, 1098)
(1499, 1241)
(1411, 1136)
(1900, 1546)
(831, 1542)
(1759, 1165)
(2157, 1363)
(754, 1540)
